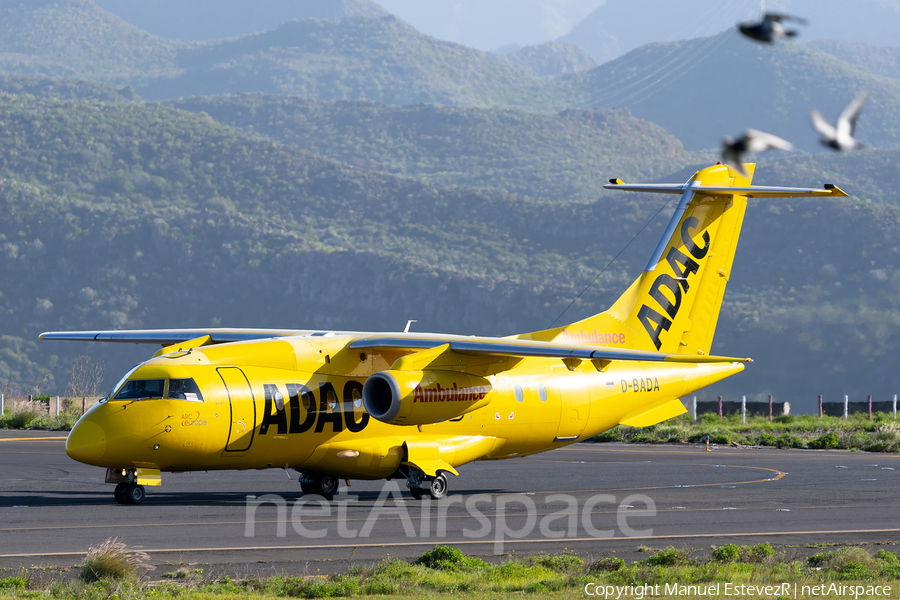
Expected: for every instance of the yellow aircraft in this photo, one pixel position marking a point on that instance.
(346, 405)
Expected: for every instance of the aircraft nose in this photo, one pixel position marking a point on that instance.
(86, 442)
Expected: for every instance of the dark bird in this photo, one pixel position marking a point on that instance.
(751, 141)
(770, 29)
(840, 135)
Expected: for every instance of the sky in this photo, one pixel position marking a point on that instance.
(489, 24)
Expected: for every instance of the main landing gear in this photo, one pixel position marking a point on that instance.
(326, 486)
(129, 493)
(420, 486)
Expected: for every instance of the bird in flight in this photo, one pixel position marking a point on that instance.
(840, 135)
(770, 29)
(752, 140)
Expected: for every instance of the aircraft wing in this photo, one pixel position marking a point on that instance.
(532, 349)
(167, 337)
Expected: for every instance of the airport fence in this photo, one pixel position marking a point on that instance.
(49, 405)
(775, 409)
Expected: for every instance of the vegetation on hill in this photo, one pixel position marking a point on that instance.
(738, 84)
(139, 215)
(566, 156)
(550, 59)
(383, 60)
(67, 38)
(877, 59)
(66, 89)
(220, 19)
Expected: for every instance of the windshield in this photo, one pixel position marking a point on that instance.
(137, 389)
(123, 380)
(184, 389)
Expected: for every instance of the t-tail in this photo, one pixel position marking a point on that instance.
(674, 305)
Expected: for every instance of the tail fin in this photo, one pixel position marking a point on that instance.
(674, 305)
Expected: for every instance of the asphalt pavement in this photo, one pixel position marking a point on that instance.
(591, 499)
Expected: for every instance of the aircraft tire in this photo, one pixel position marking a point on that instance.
(307, 485)
(120, 493)
(134, 493)
(417, 493)
(326, 486)
(438, 487)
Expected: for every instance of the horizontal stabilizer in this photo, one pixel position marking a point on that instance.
(647, 416)
(752, 191)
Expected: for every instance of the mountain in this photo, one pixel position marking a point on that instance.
(551, 59)
(620, 26)
(566, 156)
(380, 59)
(65, 38)
(877, 59)
(198, 20)
(737, 84)
(140, 215)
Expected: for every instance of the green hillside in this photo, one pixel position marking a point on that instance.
(566, 156)
(383, 60)
(882, 60)
(550, 59)
(140, 215)
(67, 38)
(219, 19)
(736, 84)
(66, 89)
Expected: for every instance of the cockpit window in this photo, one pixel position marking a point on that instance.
(184, 389)
(138, 389)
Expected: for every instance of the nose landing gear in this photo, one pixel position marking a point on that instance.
(129, 493)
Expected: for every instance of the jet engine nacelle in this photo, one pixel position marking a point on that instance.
(423, 397)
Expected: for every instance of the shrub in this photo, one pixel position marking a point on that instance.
(113, 560)
(16, 583)
(719, 437)
(767, 439)
(561, 563)
(639, 437)
(789, 440)
(826, 442)
(610, 563)
(610, 435)
(669, 557)
(448, 558)
(851, 562)
(757, 553)
(728, 553)
(23, 418)
(888, 557)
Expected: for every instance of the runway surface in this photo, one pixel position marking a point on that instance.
(590, 498)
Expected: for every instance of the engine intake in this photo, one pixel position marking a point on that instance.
(423, 397)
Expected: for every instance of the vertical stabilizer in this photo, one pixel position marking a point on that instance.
(674, 305)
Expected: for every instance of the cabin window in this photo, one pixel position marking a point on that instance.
(184, 389)
(519, 394)
(542, 392)
(139, 389)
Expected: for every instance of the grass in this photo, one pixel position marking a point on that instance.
(34, 415)
(447, 573)
(113, 560)
(880, 434)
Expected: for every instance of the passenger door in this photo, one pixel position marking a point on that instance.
(243, 409)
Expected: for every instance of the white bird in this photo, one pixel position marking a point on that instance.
(770, 28)
(751, 141)
(840, 136)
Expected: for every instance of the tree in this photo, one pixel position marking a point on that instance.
(85, 377)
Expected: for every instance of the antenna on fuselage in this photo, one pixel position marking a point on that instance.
(408, 323)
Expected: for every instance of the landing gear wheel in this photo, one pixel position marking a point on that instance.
(438, 488)
(120, 493)
(307, 485)
(134, 493)
(417, 493)
(326, 486)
